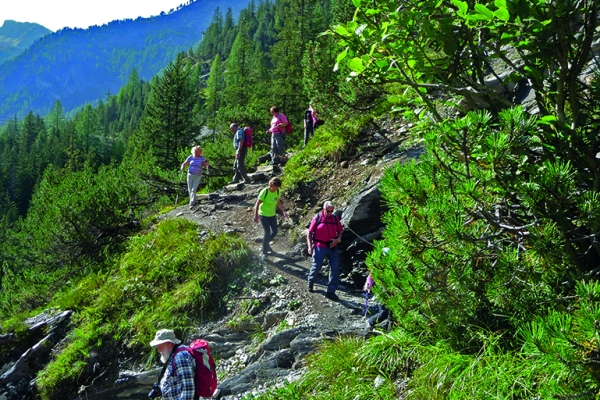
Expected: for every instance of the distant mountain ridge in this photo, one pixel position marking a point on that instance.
(77, 66)
(16, 37)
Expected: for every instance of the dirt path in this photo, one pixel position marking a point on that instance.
(233, 211)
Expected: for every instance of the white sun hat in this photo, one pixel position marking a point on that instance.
(164, 336)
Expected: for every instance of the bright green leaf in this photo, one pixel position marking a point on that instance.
(548, 119)
(356, 3)
(341, 30)
(484, 11)
(462, 6)
(341, 56)
(502, 14)
(356, 65)
(498, 3)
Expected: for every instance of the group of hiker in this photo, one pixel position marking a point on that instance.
(243, 140)
(185, 371)
(180, 378)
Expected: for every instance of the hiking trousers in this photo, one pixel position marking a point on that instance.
(269, 225)
(309, 132)
(192, 182)
(277, 146)
(318, 256)
(239, 167)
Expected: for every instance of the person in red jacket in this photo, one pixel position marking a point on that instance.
(323, 237)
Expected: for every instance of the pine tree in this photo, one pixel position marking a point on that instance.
(169, 123)
(214, 92)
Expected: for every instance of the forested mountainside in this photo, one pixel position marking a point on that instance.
(16, 37)
(77, 66)
(488, 262)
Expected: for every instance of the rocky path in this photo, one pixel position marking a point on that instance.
(292, 320)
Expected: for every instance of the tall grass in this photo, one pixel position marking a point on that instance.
(405, 368)
(330, 143)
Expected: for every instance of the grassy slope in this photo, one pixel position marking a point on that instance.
(167, 278)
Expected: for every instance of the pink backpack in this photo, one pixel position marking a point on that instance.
(248, 139)
(205, 380)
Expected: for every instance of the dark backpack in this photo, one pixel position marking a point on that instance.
(249, 136)
(205, 379)
(335, 218)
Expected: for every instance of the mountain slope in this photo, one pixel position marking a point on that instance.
(16, 37)
(77, 66)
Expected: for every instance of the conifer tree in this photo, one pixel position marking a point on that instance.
(169, 123)
(214, 92)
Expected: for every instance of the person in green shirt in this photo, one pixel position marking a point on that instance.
(269, 199)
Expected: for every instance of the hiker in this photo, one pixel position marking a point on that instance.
(309, 127)
(323, 237)
(382, 312)
(239, 143)
(196, 161)
(311, 123)
(277, 130)
(175, 383)
(269, 199)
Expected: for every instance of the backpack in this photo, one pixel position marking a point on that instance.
(248, 137)
(205, 379)
(288, 127)
(335, 218)
(267, 191)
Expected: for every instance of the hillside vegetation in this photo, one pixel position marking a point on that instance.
(78, 66)
(490, 267)
(16, 37)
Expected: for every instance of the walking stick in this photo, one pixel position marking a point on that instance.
(179, 184)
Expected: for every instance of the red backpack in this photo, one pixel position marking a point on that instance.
(205, 379)
(249, 137)
(288, 127)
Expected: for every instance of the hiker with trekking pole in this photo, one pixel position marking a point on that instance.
(196, 161)
(382, 312)
(323, 237)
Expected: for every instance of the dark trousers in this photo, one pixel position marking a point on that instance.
(239, 167)
(269, 225)
(309, 132)
(381, 315)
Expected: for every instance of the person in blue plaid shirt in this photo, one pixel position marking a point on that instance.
(177, 382)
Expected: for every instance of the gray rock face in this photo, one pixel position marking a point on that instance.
(363, 215)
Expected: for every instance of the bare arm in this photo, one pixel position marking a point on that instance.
(258, 202)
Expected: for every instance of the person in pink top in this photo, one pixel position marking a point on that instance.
(277, 131)
(323, 237)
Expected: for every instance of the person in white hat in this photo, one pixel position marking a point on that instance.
(177, 382)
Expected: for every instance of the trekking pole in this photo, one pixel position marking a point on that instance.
(179, 184)
(368, 286)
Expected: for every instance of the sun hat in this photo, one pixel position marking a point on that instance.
(164, 336)
(232, 125)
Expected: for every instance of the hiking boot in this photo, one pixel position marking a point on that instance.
(332, 296)
(310, 287)
(233, 182)
(262, 255)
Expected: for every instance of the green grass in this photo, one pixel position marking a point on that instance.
(330, 143)
(166, 279)
(348, 367)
